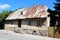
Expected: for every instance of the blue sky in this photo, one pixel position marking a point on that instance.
(15, 4)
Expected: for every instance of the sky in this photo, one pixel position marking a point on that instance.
(15, 4)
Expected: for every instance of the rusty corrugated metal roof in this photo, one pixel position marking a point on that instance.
(36, 12)
(39, 11)
(15, 14)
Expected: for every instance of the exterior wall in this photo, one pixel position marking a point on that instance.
(43, 24)
(10, 25)
(35, 29)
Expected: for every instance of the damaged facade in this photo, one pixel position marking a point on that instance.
(33, 20)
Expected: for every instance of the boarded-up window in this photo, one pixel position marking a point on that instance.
(38, 23)
(12, 23)
(9, 22)
(29, 22)
(41, 22)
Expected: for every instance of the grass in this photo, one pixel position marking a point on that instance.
(53, 32)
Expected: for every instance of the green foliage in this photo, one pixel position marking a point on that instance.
(55, 31)
(3, 15)
(55, 14)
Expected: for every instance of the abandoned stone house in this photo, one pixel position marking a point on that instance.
(32, 20)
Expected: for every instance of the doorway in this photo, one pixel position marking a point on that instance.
(19, 23)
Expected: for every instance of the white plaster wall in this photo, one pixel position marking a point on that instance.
(48, 21)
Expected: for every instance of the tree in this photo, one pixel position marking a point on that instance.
(55, 14)
(55, 17)
(57, 10)
(52, 16)
(3, 15)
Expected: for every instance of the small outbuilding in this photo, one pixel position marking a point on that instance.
(32, 20)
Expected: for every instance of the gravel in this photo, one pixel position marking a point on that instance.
(9, 35)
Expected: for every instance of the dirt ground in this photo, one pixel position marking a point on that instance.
(9, 35)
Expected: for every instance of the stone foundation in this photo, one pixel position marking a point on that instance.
(10, 28)
(30, 31)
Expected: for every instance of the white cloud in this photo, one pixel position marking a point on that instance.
(4, 6)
